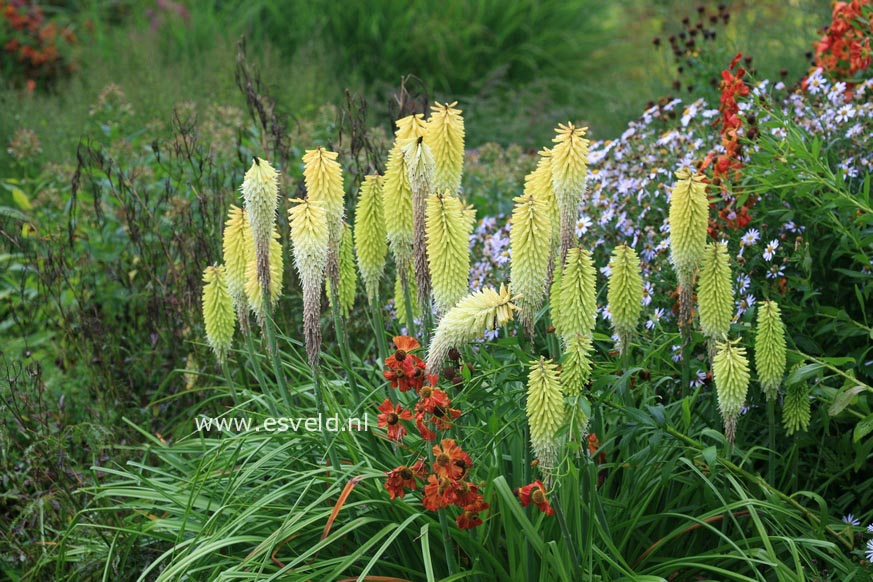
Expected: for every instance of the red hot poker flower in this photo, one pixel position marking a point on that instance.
(450, 461)
(391, 416)
(535, 492)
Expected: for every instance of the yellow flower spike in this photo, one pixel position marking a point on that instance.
(796, 408)
(545, 412)
(218, 312)
(448, 254)
(578, 299)
(770, 348)
(576, 365)
(445, 135)
(400, 302)
(625, 293)
(371, 245)
(715, 295)
(530, 243)
(397, 204)
(420, 164)
(323, 177)
(348, 279)
(689, 217)
(236, 246)
(253, 289)
(730, 370)
(569, 164)
(309, 239)
(555, 297)
(260, 190)
(539, 184)
(476, 313)
(410, 127)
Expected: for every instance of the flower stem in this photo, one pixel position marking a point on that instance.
(343, 341)
(407, 301)
(568, 539)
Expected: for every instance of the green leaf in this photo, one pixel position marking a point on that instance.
(802, 373)
(843, 399)
(863, 428)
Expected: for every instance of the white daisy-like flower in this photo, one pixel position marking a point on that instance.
(771, 250)
(870, 528)
(851, 520)
(869, 552)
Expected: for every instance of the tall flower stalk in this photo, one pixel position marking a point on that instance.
(545, 412)
(715, 295)
(445, 136)
(730, 370)
(689, 216)
(625, 294)
(323, 178)
(260, 190)
(218, 311)
(420, 164)
(530, 240)
(236, 241)
(770, 354)
(371, 247)
(569, 165)
(448, 249)
(578, 295)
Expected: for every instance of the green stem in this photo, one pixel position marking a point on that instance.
(379, 328)
(342, 340)
(259, 375)
(407, 301)
(269, 327)
(771, 454)
(319, 406)
(757, 480)
(568, 539)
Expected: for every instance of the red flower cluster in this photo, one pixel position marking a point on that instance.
(728, 164)
(844, 50)
(535, 492)
(446, 485)
(406, 371)
(33, 44)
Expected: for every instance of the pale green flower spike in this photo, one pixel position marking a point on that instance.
(569, 164)
(323, 177)
(689, 215)
(420, 164)
(715, 295)
(539, 184)
(796, 408)
(397, 204)
(448, 254)
(770, 348)
(530, 243)
(253, 289)
(371, 245)
(348, 279)
(236, 244)
(218, 313)
(576, 365)
(730, 370)
(309, 239)
(578, 296)
(545, 412)
(479, 311)
(260, 190)
(445, 136)
(410, 127)
(625, 293)
(555, 297)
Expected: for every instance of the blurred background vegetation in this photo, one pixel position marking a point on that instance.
(514, 67)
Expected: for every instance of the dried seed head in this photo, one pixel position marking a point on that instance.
(420, 164)
(370, 235)
(218, 313)
(625, 293)
(770, 348)
(448, 255)
(254, 290)
(260, 190)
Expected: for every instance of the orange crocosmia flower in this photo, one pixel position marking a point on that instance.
(536, 493)
(402, 478)
(470, 518)
(390, 418)
(450, 461)
(433, 498)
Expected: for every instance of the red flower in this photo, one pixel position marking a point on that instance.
(535, 492)
(450, 461)
(426, 433)
(462, 493)
(405, 370)
(470, 518)
(433, 498)
(431, 397)
(391, 416)
(403, 477)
